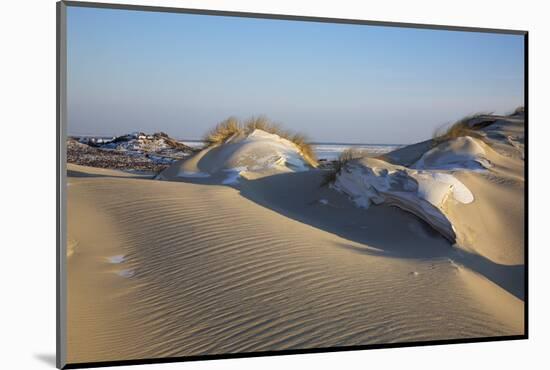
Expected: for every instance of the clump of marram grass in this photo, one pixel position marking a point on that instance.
(264, 124)
(463, 127)
(329, 177)
(231, 126)
(306, 149)
(223, 131)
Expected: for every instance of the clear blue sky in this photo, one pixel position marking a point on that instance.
(180, 73)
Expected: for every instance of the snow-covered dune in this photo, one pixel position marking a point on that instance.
(425, 188)
(425, 178)
(424, 193)
(457, 154)
(256, 153)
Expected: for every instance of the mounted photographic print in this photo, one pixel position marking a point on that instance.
(235, 184)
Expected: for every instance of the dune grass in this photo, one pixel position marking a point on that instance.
(232, 126)
(329, 177)
(263, 123)
(467, 126)
(223, 131)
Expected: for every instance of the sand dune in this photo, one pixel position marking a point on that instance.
(257, 152)
(275, 261)
(369, 181)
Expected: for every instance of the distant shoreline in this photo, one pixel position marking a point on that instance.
(201, 141)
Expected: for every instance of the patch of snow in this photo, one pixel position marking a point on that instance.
(453, 263)
(126, 273)
(463, 153)
(116, 259)
(233, 176)
(435, 187)
(194, 144)
(422, 193)
(193, 174)
(287, 154)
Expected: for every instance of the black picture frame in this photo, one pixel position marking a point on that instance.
(61, 136)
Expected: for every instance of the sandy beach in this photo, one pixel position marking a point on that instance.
(217, 255)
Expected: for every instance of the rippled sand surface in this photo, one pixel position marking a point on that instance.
(159, 268)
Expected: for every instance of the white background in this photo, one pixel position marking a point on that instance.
(27, 195)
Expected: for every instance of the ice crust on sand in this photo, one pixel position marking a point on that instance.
(370, 181)
(233, 175)
(435, 187)
(191, 174)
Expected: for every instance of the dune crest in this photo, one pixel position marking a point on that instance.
(430, 187)
(256, 152)
(462, 153)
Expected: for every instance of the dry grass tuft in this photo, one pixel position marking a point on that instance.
(231, 126)
(223, 131)
(467, 126)
(347, 155)
(261, 123)
(306, 149)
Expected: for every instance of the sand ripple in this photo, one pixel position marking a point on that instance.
(214, 272)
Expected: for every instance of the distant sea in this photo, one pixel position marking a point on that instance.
(331, 151)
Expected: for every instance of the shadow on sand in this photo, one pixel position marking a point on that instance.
(298, 195)
(125, 175)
